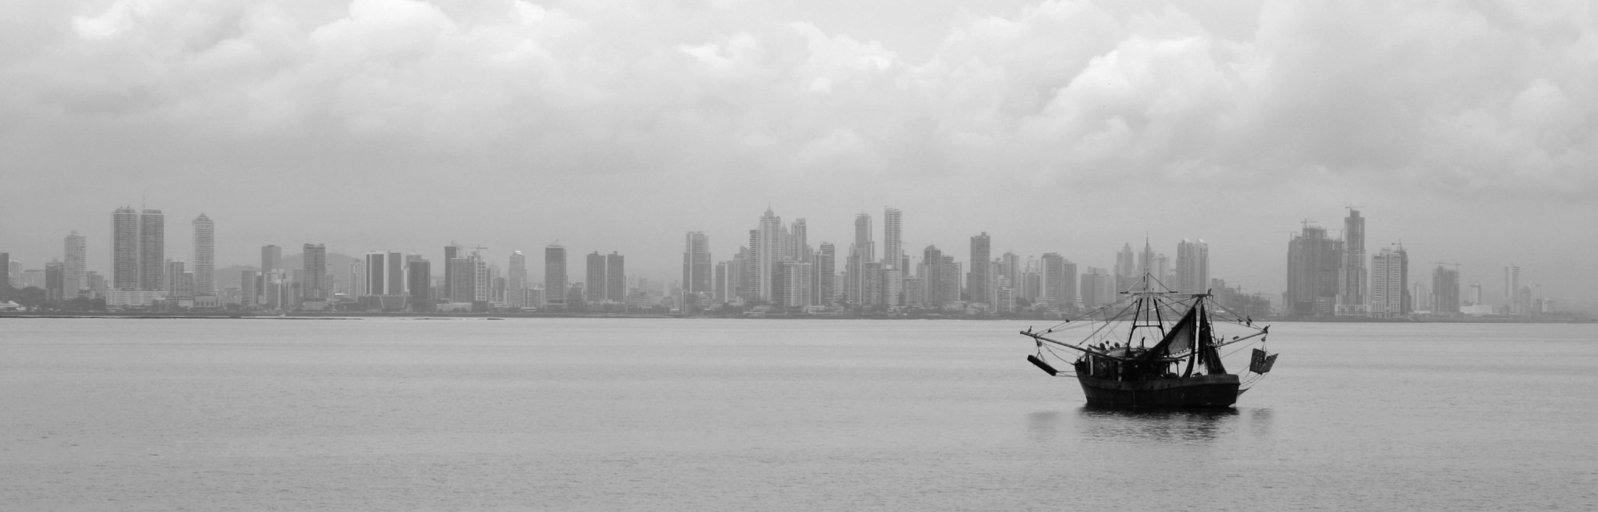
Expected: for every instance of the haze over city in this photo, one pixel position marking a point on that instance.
(1463, 132)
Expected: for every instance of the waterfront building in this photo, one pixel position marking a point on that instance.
(152, 249)
(419, 278)
(615, 278)
(696, 266)
(979, 284)
(1353, 278)
(314, 262)
(1445, 290)
(205, 257)
(125, 249)
(516, 281)
(555, 276)
(1314, 263)
(1192, 266)
(73, 276)
(1389, 292)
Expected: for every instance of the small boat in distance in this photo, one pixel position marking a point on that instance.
(1156, 348)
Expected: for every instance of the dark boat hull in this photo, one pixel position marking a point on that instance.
(1206, 391)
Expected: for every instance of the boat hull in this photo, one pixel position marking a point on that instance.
(1205, 391)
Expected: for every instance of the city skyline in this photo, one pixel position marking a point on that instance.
(1190, 266)
(1068, 127)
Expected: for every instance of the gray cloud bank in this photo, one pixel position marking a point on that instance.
(1064, 126)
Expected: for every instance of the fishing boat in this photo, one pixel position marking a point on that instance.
(1155, 348)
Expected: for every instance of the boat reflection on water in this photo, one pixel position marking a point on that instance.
(1167, 426)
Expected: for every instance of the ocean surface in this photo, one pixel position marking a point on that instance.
(674, 414)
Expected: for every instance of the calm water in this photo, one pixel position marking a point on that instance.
(580, 414)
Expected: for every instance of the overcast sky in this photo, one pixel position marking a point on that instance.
(1463, 130)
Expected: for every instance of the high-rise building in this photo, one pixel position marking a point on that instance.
(1389, 291)
(1353, 278)
(205, 257)
(595, 288)
(1445, 290)
(616, 278)
(451, 252)
(174, 280)
(767, 245)
(419, 279)
(315, 265)
(5, 270)
(1512, 289)
(1097, 288)
(516, 281)
(458, 287)
(1192, 266)
(1125, 264)
(893, 237)
(73, 272)
(696, 277)
(376, 274)
(54, 282)
(979, 284)
(271, 258)
(1313, 265)
(1059, 280)
(152, 249)
(555, 275)
(125, 249)
(249, 289)
(796, 246)
(825, 262)
(482, 277)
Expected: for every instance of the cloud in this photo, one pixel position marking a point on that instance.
(1458, 101)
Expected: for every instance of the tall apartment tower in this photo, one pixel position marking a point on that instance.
(125, 249)
(74, 278)
(861, 253)
(315, 265)
(205, 257)
(271, 258)
(516, 281)
(826, 268)
(1192, 266)
(555, 275)
(1313, 265)
(769, 241)
(615, 277)
(696, 278)
(1389, 274)
(1445, 290)
(893, 237)
(594, 287)
(1354, 279)
(385, 273)
(152, 250)
(979, 285)
(1511, 289)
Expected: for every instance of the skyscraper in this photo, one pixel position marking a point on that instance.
(451, 252)
(696, 263)
(979, 286)
(73, 277)
(1445, 290)
(1389, 277)
(205, 257)
(595, 287)
(516, 281)
(826, 268)
(1192, 266)
(616, 278)
(271, 258)
(419, 278)
(1313, 265)
(893, 241)
(125, 249)
(1351, 297)
(376, 274)
(315, 265)
(768, 245)
(555, 275)
(1059, 280)
(152, 249)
